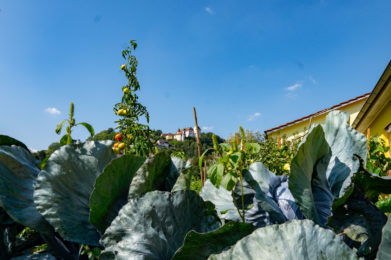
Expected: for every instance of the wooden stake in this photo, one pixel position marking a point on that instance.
(198, 144)
(368, 137)
(278, 142)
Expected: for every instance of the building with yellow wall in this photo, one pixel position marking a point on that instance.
(374, 118)
(297, 129)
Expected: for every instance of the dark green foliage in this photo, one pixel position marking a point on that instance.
(201, 245)
(377, 162)
(108, 134)
(361, 221)
(111, 190)
(189, 145)
(7, 140)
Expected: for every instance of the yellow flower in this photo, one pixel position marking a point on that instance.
(123, 66)
(287, 167)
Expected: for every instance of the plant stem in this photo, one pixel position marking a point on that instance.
(236, 206)
(241, 189)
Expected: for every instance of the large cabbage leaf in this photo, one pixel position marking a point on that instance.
(384, 252)
(111, 190)
(201, 245)
(307, 181)
(154, 174)
(297, 239)
(344, 142)
(154, 225)
(272, 198)
(361, 221)
(267, 198)
(65, 185)
(18, 173)
(7, 140)
(222, 199)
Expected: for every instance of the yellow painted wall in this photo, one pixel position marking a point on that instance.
(380, 122)
(298, 130)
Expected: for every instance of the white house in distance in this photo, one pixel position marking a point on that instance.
(181, 134)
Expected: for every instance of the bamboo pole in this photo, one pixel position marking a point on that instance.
(278, 142)
(198, 144)
(368, 137)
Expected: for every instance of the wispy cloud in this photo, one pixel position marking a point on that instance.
(209, 10)
(52, 111)
(313, 80)
(294, 86)
(253, 116)
(207, 128)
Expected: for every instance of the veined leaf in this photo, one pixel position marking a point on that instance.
(198, 246)
(18, 173)
(222, 200)
(111, 190)
(297, 239)
(344, 142)
(154, 225)
(60, 126)
(88, 127)
(153, 175)
(65, 185)
(307, 181)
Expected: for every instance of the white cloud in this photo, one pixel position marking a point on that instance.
(207, 128)
(209, 10)
(294, 86)
(313, 80)
(253, 116)
(52, 111)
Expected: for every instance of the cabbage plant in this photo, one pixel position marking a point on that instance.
(133, 207)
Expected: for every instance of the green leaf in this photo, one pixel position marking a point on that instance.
(65, 185)
(222, 200)
(88, 127)
(384, 252)
(371, 184)
(215, 174)
(361, 221)
(18, 173)
(153, 226)
(111, 190)
(64, 139)
(344, 142)
(307, 180)
(60, 126)
(225, 147)
(183, 182)
(199, 246)
(228, 181)
(201, 160)
(152, 175)
(7, 140)
(297, 239)
(253, 148)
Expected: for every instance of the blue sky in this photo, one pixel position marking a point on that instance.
(258, 64)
